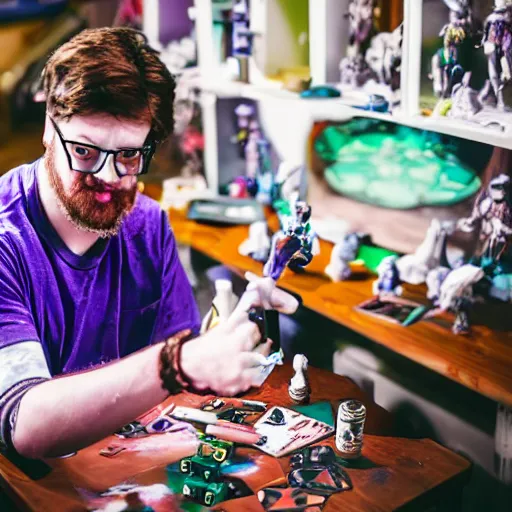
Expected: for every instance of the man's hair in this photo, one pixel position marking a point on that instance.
(110, 71)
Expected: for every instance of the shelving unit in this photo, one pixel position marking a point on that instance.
(285, 117)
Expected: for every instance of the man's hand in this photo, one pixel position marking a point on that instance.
(226, 358)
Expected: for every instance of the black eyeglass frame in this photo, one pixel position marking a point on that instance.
(147, 151)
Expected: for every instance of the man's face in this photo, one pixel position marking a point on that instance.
(93, 202)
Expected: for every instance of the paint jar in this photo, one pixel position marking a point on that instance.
(349, 429)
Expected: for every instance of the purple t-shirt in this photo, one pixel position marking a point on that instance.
(123, 294)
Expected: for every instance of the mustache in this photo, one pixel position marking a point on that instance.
(89, 183)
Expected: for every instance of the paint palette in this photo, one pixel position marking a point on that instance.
(283, 431)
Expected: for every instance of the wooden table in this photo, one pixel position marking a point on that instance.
(481, 361)
(404, 472)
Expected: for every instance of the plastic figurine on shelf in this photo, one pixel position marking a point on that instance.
(492, 213)
(453, 290)
(497, 43)
(388, 282)
(341, 256)
(265, 175)
(448, 63)
(292, 246)
(353, 68)
(431, 253)
(242, 36)
(384, 57)
(244, 115)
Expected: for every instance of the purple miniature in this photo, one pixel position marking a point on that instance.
(292, 247)
(497, 43)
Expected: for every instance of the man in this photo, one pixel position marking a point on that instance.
(89, 272)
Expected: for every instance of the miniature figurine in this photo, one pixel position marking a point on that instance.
(453, 290)
(299, 388)
(349, 429)
(242, 37)
(465, 100)
(244, 114)
(293, 245)
(431, 253)
(257, 246)
(497, 43)
(388, 282)
(353, 68)
(342, 254)
(384, 57)
(492, 213)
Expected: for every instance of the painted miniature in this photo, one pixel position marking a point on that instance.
(453, 291)
(257, 246)
(299, 387)
(384, 57)
(492, 215)
(430, 254)
(388, 282)
(292, 246)
(497, 43)
(349, 429)
(341, 256)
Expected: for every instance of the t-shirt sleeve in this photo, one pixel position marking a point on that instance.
(16, 322)
(178, 309)
(22, 360)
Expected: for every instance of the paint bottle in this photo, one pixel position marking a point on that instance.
(223, 305)
(349, 429)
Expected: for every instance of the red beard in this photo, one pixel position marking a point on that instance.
(81, 206)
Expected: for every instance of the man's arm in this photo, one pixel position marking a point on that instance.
(65, 414)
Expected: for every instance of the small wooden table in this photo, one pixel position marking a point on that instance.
(410, 473)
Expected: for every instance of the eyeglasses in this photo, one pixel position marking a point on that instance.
(90, 159)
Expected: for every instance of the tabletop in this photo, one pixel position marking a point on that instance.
(399, 472)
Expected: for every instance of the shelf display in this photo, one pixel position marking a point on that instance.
(373, 59)
(468, 62)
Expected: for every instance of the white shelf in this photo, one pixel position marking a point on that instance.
(337, 109)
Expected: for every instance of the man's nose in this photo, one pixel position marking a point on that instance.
(108, 172)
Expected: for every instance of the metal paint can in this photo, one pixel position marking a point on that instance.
(349, 430)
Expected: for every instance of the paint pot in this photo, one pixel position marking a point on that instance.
(349, 430)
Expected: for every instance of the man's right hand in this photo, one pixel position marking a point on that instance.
(226, 358)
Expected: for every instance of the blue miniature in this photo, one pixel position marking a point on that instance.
(388, 282)
(376, 103)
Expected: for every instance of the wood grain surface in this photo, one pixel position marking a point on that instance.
(400, 471)
(480, 361)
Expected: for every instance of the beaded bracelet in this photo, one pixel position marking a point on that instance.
(171, 374)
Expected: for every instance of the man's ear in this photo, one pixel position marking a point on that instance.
(49, 130)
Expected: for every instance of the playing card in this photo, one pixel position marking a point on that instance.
(283, 431)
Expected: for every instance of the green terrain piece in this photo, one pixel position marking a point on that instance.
(398, 168)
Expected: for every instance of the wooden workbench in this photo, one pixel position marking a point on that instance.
(481, 361)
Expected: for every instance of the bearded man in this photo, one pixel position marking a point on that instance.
(97, 318)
